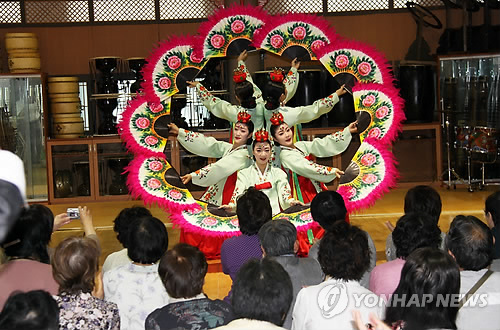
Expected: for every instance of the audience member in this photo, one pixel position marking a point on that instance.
(28, 267)
(32, 310)
(344, 256)
(420, 200)
(136, 287)
(75, 266)
(182, 270)
(262, 294)
(492, 214)
(121, 227)
(426, 297)
(413, 231)
(279, 242)
(253, 210)
(470, 242)
(327, 208)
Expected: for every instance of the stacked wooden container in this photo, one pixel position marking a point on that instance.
(22, 49)
(65, 107)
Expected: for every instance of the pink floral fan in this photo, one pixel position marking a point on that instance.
(301, 33)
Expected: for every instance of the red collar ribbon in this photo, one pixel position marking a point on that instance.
(262, 186)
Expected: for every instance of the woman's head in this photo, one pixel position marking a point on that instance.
(124, 219)
(275, 94)
(423, 199)
(413, 231)
(244, 93)
(75, 264)
(242, 133)
(429, 278)
(147, 241)
(31, 234)
(253, 209)
(262, 151)
(492, 209)
(282, 134)
(182, 271)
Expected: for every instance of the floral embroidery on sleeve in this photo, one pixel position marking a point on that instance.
(338, 136)
(191, 136)
(204, 94)
(290, 79)
(328, 101)
(321, 169)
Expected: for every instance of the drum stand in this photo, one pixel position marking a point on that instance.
(482, 183)
(449, 173)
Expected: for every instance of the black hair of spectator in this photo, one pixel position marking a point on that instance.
(413, 231)
(471, 242)
(147, 241)
(182, 271)
(327, 208)
(273, 92)
(244, 91)
(32, 310)
(30, 235)
(423, 199)
(492, 206)
(253, 209)
(344, 253)
(124, 219)
(262, 291)
(278, 237)
(427, 272)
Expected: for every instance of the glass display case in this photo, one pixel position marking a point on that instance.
(22, 128)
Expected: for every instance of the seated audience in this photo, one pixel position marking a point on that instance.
(492, 214)
(182, 271)
(121, 227)
(344, 256)
(75, 266)
(279, 242)
(426, 297)
(413, 231)
(32, 310)
(470, 242)
(420, 200)
(262, 294)
(136, 287)
(253, 210)
(328, 207)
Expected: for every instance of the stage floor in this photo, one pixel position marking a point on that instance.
(388, 208)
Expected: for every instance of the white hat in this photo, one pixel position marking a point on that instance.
(12, 170)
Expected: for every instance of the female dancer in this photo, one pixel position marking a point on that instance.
(219, 177)
(262, 175)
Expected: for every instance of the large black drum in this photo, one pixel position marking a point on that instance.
(417, 83)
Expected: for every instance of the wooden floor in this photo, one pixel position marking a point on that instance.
(390, 207)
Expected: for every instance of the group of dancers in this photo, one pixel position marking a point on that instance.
(263, 153)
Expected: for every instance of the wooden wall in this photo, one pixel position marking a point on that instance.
(66, 50)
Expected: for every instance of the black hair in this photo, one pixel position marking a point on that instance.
(273, 92)
(344, 253)
(471, 242)
(413, 231)
(253, 209)
(182, 270)
(244, 92)
(249, 124)
(427, 272)
(492, 206)
(124, 219)
(328, 207)
(423, 199)
(278, 237)
(30, 235)
(148, 240)
(262, 291)
(273, 130)
(32, 310)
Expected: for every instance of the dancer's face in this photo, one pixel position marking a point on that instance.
(241, 134)
(262, 153)
(284, 135)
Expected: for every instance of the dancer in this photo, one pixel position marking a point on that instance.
(306, 177)
(247, 94)
(219, 177)
(271, 180)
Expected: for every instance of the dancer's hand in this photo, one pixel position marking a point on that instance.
(186, 178)
(296, 202)
(192, 84)
(226, 207)
(341, 91)
(376, 323)
(295, 63)
(338, 173)
(353, 127)
(389, 225)
(243, 56)
(173, 129)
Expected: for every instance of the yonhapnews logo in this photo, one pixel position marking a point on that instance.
(332, 299)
